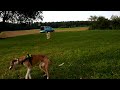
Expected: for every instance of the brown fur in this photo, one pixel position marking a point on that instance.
(42, 60)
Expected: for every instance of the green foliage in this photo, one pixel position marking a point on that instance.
(67, 24)
(26, 16)
(86, 54)
(115, 22)
(13, 27)
(103, 23)
(36, 25)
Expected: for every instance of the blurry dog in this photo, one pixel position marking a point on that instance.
(29, 61)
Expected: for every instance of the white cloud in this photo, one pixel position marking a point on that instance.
(53, 16)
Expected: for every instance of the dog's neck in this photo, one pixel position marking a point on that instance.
(25, 58)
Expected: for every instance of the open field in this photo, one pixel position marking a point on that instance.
(85, 54)
(6, 34)
(71, 29)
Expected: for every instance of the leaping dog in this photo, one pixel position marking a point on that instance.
(29, 61)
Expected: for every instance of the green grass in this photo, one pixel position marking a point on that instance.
(85, 54)
(72, 28)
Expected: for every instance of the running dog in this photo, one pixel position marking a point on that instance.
(29, 61)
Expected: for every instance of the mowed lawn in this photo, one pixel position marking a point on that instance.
(84, 54)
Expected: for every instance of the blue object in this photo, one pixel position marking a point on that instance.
(44, 29)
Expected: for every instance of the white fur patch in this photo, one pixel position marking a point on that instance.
(28, 74)
(16, 62)
(10, 67)
(43, 64)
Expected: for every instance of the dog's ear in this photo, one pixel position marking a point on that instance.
(17, 60)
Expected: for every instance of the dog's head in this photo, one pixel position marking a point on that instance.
(21, 59)
(13, 63)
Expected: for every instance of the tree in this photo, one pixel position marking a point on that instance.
(6, 15)
(115, 22)
(102, 23)
(20, 16)
(114, 17)
(28, 16)
(93, 18)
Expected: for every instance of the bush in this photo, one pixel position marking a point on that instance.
(103, 23)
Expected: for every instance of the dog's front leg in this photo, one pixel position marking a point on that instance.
(28, 76)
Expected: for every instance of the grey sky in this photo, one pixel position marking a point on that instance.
(54, 16)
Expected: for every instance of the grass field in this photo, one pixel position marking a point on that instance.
(85, 54)
(6, 34)
(71, 29)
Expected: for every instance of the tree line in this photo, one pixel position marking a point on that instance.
(15, 20)
(21, 20)
(94, 23)
(67, 24)
(103, 23)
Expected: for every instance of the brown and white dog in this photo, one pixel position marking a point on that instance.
(29, 61)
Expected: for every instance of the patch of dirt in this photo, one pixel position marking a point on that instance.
(6, 34)
(80, 29)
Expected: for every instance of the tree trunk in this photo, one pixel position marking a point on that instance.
(4, 17)
(3, 20)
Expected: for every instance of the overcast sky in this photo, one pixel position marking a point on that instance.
(54, 16)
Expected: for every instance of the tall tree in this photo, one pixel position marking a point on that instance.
(115, 22)
(6, 15)
(20, 16)
(28, 16)
(114, 17)
(93, 18)
(102, 23)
